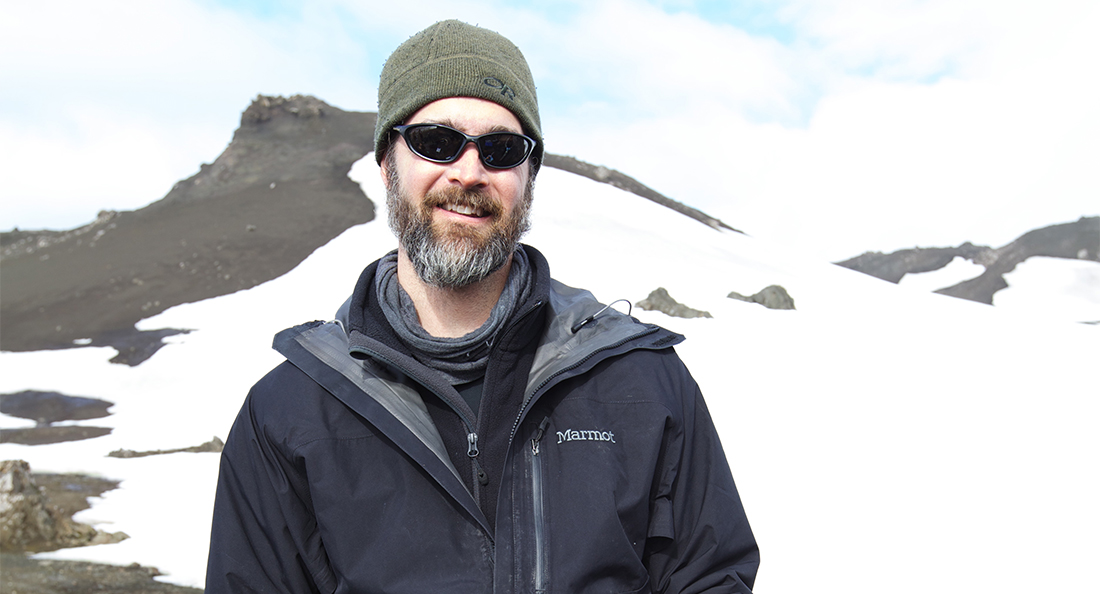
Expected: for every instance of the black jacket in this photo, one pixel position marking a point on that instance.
(338, 475)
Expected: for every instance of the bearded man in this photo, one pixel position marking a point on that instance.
(468, 424)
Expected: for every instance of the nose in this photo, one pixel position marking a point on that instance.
(468, 170)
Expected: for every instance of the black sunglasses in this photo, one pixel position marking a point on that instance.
(441, 144)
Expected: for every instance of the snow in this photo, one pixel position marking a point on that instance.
(956, 271)
(1049, 287)
(884, 439)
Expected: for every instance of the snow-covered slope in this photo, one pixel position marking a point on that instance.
(884, 439)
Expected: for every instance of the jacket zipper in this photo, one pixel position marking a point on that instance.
(471, 425)
(542, 565)
(530, 397)
(479, 472)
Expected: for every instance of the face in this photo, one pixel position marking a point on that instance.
(457, 222)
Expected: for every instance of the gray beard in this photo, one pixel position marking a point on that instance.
(451, 258)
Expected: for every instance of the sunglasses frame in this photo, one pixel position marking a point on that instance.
(531, 144)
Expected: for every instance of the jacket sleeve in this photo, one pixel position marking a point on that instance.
(699, 536)
(264, 535)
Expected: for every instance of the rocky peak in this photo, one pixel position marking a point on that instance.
(280, 140)
(265, 108)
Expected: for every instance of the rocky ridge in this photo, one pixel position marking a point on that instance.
(1077, 240)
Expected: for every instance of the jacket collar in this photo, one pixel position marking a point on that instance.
(562, 346)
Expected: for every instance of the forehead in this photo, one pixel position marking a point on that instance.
(469, 114)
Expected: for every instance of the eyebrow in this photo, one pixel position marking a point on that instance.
(452, 124)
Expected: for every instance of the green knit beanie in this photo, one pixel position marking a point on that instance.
(453, 59)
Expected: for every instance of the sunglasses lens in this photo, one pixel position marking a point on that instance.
(498, 150)
(435, 143)
(504, 150)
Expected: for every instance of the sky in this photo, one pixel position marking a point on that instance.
(898, 442)
(833, 126)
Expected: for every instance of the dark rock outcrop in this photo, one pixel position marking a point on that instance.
(1078, 240)
(52, 576)
(51, 434)
(215, 445)
(660, 300)
(771, 297)
(46, 408)
(625, 182)
(67, 494)
(28, 523)
(51, 407)
(895, 265)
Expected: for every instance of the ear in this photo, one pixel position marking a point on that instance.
(384, 169)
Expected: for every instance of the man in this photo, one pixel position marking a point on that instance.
(468, 424)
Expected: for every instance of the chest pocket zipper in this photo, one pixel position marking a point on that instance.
(542, 565)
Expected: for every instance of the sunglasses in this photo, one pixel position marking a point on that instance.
(440, 144)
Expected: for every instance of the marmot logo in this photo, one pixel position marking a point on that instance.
(573, 435)
(496, 83)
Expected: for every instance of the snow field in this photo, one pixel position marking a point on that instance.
(882, 439)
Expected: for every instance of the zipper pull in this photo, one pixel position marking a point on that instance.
(472, 451)
(538, 435)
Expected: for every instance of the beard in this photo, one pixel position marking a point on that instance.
(451, 255)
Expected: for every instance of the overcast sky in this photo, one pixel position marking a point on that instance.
(835, 126)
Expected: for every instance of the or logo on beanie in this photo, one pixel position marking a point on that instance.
(496, 83)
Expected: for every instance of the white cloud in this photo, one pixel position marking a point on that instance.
(117, 100)
(873, 127)
(94, 159)
(928, 124)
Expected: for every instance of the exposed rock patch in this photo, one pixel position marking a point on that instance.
(51, 407)
(48, 576)
(660, 300)
(214, 445)
(46, 408)
(625, 182)
(46, 435)
(68, 494)
(771, 297)
(1078, 240)
(28, 523)
(895, 265)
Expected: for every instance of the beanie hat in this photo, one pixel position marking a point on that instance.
(453, 59)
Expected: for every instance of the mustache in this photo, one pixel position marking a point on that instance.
(475, 199)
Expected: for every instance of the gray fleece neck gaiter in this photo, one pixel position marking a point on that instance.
(462, 359)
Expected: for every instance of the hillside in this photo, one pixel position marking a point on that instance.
(279, 191)
(871, 423)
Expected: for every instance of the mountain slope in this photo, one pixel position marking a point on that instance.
(279, 191)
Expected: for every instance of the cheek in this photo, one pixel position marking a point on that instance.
(510, 189)
(421, 179)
